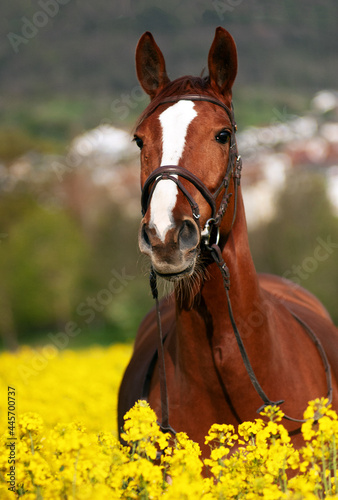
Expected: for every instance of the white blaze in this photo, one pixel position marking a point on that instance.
(175, 121)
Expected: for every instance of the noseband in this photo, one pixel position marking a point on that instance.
(234, 167)
(174, 172)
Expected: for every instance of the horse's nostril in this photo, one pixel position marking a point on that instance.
(188, 235)
(145, 236)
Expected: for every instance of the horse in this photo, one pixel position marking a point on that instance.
(227, 341)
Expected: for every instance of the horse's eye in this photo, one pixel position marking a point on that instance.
(223, 136)
(138, 141)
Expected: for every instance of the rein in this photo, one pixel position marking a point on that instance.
(234, 167)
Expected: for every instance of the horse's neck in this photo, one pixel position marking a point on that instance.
(208, 321)
(245, 292)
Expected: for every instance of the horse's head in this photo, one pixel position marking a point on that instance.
(188, 157)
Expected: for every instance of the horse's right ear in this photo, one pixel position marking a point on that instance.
(150, 65)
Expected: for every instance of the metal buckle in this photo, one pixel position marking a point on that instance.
(206, 233)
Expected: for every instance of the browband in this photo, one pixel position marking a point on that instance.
(198, 97)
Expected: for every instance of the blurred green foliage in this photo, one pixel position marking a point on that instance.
(16, 141)
(42, 257)
(56, 269)
(47, 125)
(301, 242)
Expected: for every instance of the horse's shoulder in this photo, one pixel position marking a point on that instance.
(309, 309)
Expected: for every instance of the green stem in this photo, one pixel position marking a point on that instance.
(284, 485)
(32, 442)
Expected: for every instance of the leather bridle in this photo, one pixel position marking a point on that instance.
(174, 172)
(234, 167)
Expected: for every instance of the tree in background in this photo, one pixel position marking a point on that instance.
(42, 258)
(57, 264)
(301, 242)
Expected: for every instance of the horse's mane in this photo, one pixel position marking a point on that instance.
(180, 87)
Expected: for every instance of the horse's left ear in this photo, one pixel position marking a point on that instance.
(222, 61)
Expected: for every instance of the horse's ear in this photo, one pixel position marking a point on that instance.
(222, 61)
(150, 65)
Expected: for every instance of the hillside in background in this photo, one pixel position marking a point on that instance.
(67, 65)
(88, 47)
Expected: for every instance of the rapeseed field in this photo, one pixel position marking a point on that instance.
(59, 440)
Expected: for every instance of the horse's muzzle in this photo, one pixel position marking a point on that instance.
(174, 256)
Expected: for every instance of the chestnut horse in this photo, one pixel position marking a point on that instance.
(230, 339)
